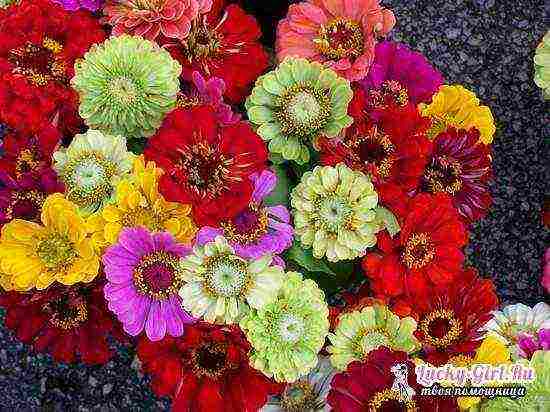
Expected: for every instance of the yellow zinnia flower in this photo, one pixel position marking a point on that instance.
(458, 107)
(138, 202)
(34, 255)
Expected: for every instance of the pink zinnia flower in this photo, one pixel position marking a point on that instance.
(149, 18)
(142, 288)
(340, 33)
(545, 281)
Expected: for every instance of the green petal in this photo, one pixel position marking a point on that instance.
(260, 114)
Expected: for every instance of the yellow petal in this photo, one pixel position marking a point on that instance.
(111, 231)
(110, 214)
(85, 249)
(173, 226)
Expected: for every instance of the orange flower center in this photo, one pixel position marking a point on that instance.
(440, 328)
(66, 313)
(390, 400)
(443, 175)
(202, 42)
(419, 251)
(27, 161)
(391, 92)
(247, 227)
(340, 38)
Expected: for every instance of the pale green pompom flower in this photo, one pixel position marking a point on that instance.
(221, 287)
(360, 332)
(542, 65)
(126, 86)
(334, 212)
(287, 334)
(91, 167)
(297, 103)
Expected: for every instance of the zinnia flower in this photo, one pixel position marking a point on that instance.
(542, 65)
(71, 323)
(455, 106)
(73, 5)
(529, 344)
(223, 43)
(545, 280)
(334, 212)
(287, 334)
(205, 164)
(307, 394)
(338, 33)
(142, 270)
(295, 104)
(126, 86)
(91, 166)
(151, 18)
(538, 391)
(257, 230)
(199, 91)
(139, 203)
(397, 63)
(60, 249)
(461, 167)
(360, 332)
(221, 286)
(205, 370)
(368, 386)
(39, 44)
(428, 250)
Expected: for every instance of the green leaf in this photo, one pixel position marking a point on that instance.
(280, 195)
(388, 220)
(136, 145)
(304, 258)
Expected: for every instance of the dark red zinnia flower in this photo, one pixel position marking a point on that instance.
(223, 43)
(39, 43)
(71, 323)
(207, 369)
(367, 386)
(449, 318)
(206, 165)
(461, 167)
(428, 250)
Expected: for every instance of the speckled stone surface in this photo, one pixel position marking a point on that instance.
(486, 45)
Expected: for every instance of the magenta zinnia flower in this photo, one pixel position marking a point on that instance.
(396, 62)
(340, 33)
(461, 167)
(258, 230)
(529, 344)
(74, 5)
(199, 91)
(142, 288)
(545, 280)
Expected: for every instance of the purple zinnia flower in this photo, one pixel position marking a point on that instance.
(529, 344)
(258, 230)
(143, 285)
(199, 91)
(395, 61)
(74, 5)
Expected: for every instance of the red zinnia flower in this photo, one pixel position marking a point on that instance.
(389, 144)
(461, 167)
(427, 250)
(39, 43)
(223, 43)
(205, 164)
(206, 370)
(69, 322)
(367, 386)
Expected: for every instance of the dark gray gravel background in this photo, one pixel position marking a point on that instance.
(486, 45)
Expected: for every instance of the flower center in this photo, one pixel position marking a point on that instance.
(227, 276)
(247, 227)
(303, 110)
(123, 90)
(374, 151)
(156, 275)
(67, 314)
(88, 178)
(419, 251)
(291, 328)
(340, 38)
(333, 213)
(390, 93)
(301, 396)
(188, 96)
(202, 43)
(151, 5)
(210, 360)
(144, 216)
(207, 170)
(27, 161)
(443, 175)
(40, 64)
(440, 328)
(56, 251)
(370, 339)
(391, 400)
(26, 205)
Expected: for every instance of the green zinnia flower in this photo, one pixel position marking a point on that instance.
(221, 286)
(287, 334)
(538, 391)
(126, 86)
(358, 333)
(542, 65)
(296, 103)
(90, 168)
(334, 211)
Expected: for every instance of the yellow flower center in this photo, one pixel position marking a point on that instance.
(27, 204)
(340, 38)
(440, 328)
(370, 339)
(156, 275)
(247, 227)
(143, 216)
(65, 314)
(201, 43)
(390, 92)
(210, 360)
(301, 396)
(56, 251)
(123, 90)
(388, 399)
(373, 150)
(27, 161)
(227, 276)
(419, 251)
(443, 175)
